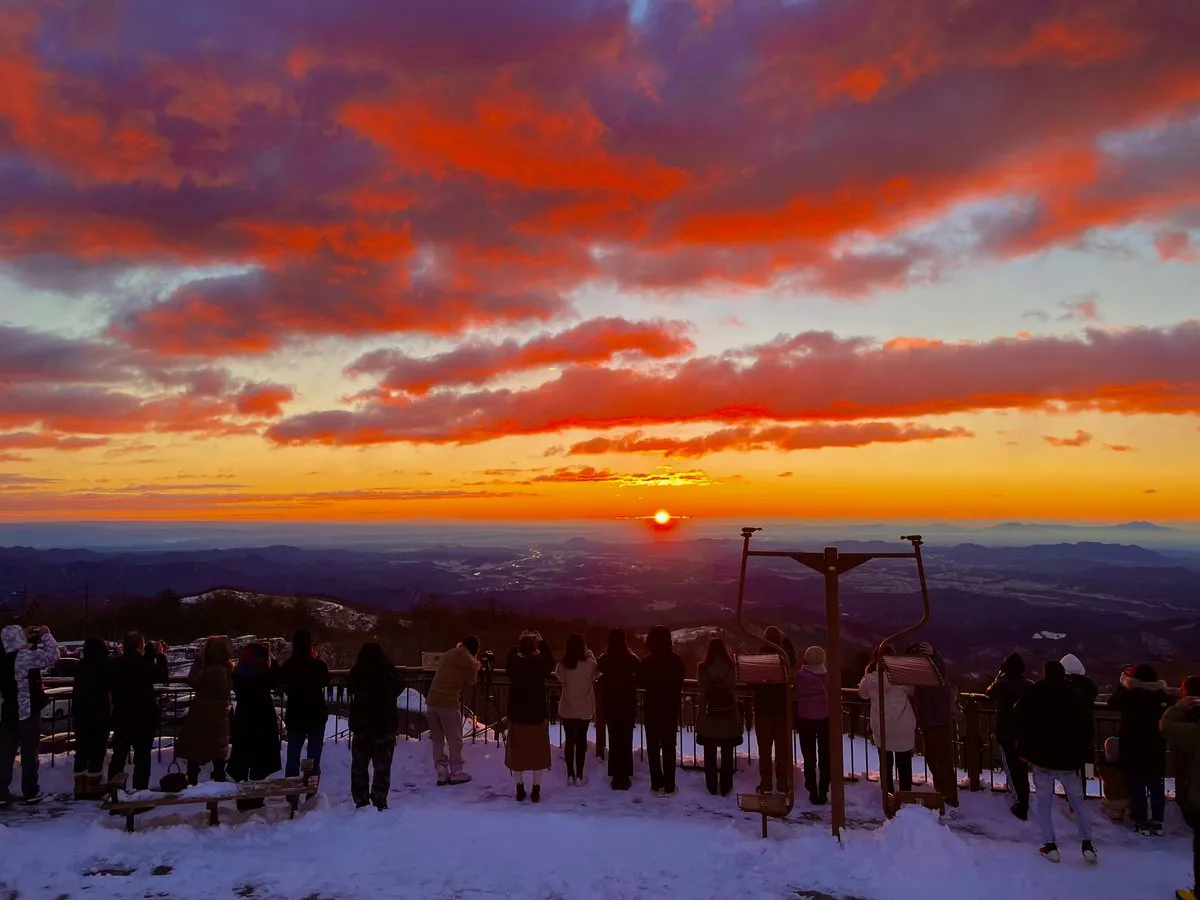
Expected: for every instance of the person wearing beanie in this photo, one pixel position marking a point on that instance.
(1142, 699)
(1077, 678)
(812, 723)
(1006, 691)
(1054, 735)
(458, 669)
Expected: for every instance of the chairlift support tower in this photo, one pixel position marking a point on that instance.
(832, 564)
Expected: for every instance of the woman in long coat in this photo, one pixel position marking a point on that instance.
(255, 722)
(528, 666)
(204, 735)
(719, 719)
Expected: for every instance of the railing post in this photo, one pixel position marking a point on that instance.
(973, 746)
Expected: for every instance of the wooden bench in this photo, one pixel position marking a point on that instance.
(305, 785)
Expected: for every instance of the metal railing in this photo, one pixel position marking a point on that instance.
(486, 703)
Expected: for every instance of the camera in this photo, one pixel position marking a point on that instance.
(487, 659)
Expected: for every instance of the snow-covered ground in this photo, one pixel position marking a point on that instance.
(475, 841)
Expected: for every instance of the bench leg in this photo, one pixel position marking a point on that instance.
(213, 817)
(129, 821)
(293, 802)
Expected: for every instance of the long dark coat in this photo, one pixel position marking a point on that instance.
(255, 732)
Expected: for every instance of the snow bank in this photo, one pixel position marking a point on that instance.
(915, 835)
(413, 701)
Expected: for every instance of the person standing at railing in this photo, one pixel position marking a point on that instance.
(458, 669)
(22, 699)
(618, 675)
(576, 705)
(775, 768)
(718, 717)
(255, 733)
(374, 687)
(528, 665)
(204, 734)
(935, 706)
(91, 717)
(661, 674)
(1181, 728)
(1006, 691)
(812, 723)
(304, 679)
(896, 758)
(1054, 735)
(1142, 699)
(135, 709)
(1077, 678)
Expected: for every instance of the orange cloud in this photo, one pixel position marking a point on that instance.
(1079, 439)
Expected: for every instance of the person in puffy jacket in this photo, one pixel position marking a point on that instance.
(374, 686)
(618, 667)
(812, 723)
(719, 717)
(896, 747)
(528, 665)
(91, 716)
(135, 709)
(304, 679)
(22, 699)
(1006, 691)
(1142, 700)
(1180, 728)
(576, 705)
(661, 674)
(1054, 734)
(204, 735)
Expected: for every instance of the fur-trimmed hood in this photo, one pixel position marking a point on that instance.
(1134, 684)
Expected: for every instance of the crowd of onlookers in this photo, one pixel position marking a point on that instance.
(1044, 728)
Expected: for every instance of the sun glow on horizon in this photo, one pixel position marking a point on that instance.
(662, 517)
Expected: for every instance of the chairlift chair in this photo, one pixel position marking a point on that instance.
(905, 670)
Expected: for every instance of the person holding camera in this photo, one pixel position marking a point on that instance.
(135, 709)
(458, 669)
(22, 699)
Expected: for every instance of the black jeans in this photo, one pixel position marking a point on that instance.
(814, 747)
(903, 763)
(718, 776)
(376, 750)
(1018, 773)
(575, 749)
(123, 742)
(660, 745)
(620, 749)
(25, 736)
(91, 745)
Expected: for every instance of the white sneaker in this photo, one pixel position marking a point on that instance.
(581, 781)
(571, 781)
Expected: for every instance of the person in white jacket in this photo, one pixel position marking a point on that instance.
(21, 702)
(576, 705)
(901, 724)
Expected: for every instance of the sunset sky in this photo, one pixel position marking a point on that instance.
(574, 258)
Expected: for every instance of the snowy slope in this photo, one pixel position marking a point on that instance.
(332, 614)
(475, 841)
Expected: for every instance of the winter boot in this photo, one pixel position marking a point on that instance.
(1020, 810)
(1050, 852)
(1156, 829)
(443, 774)
(81, 786)
(1089, 852)
(459, 778)
(535, 793)
(520, 792)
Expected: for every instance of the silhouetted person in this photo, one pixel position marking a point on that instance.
(1142, 699)
(661, 674)
(204, 734)
(91, 717)
(528, 666)
(135, 709)
(1054, 735)
(576, 705)
(1006, 690)
(935, 709)
(1181, 729)
(304, 679)
(618, 670)
(719, 717)
(770, 722)
(255, 735)
(374, 687)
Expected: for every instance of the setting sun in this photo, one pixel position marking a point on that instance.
(662, 517)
